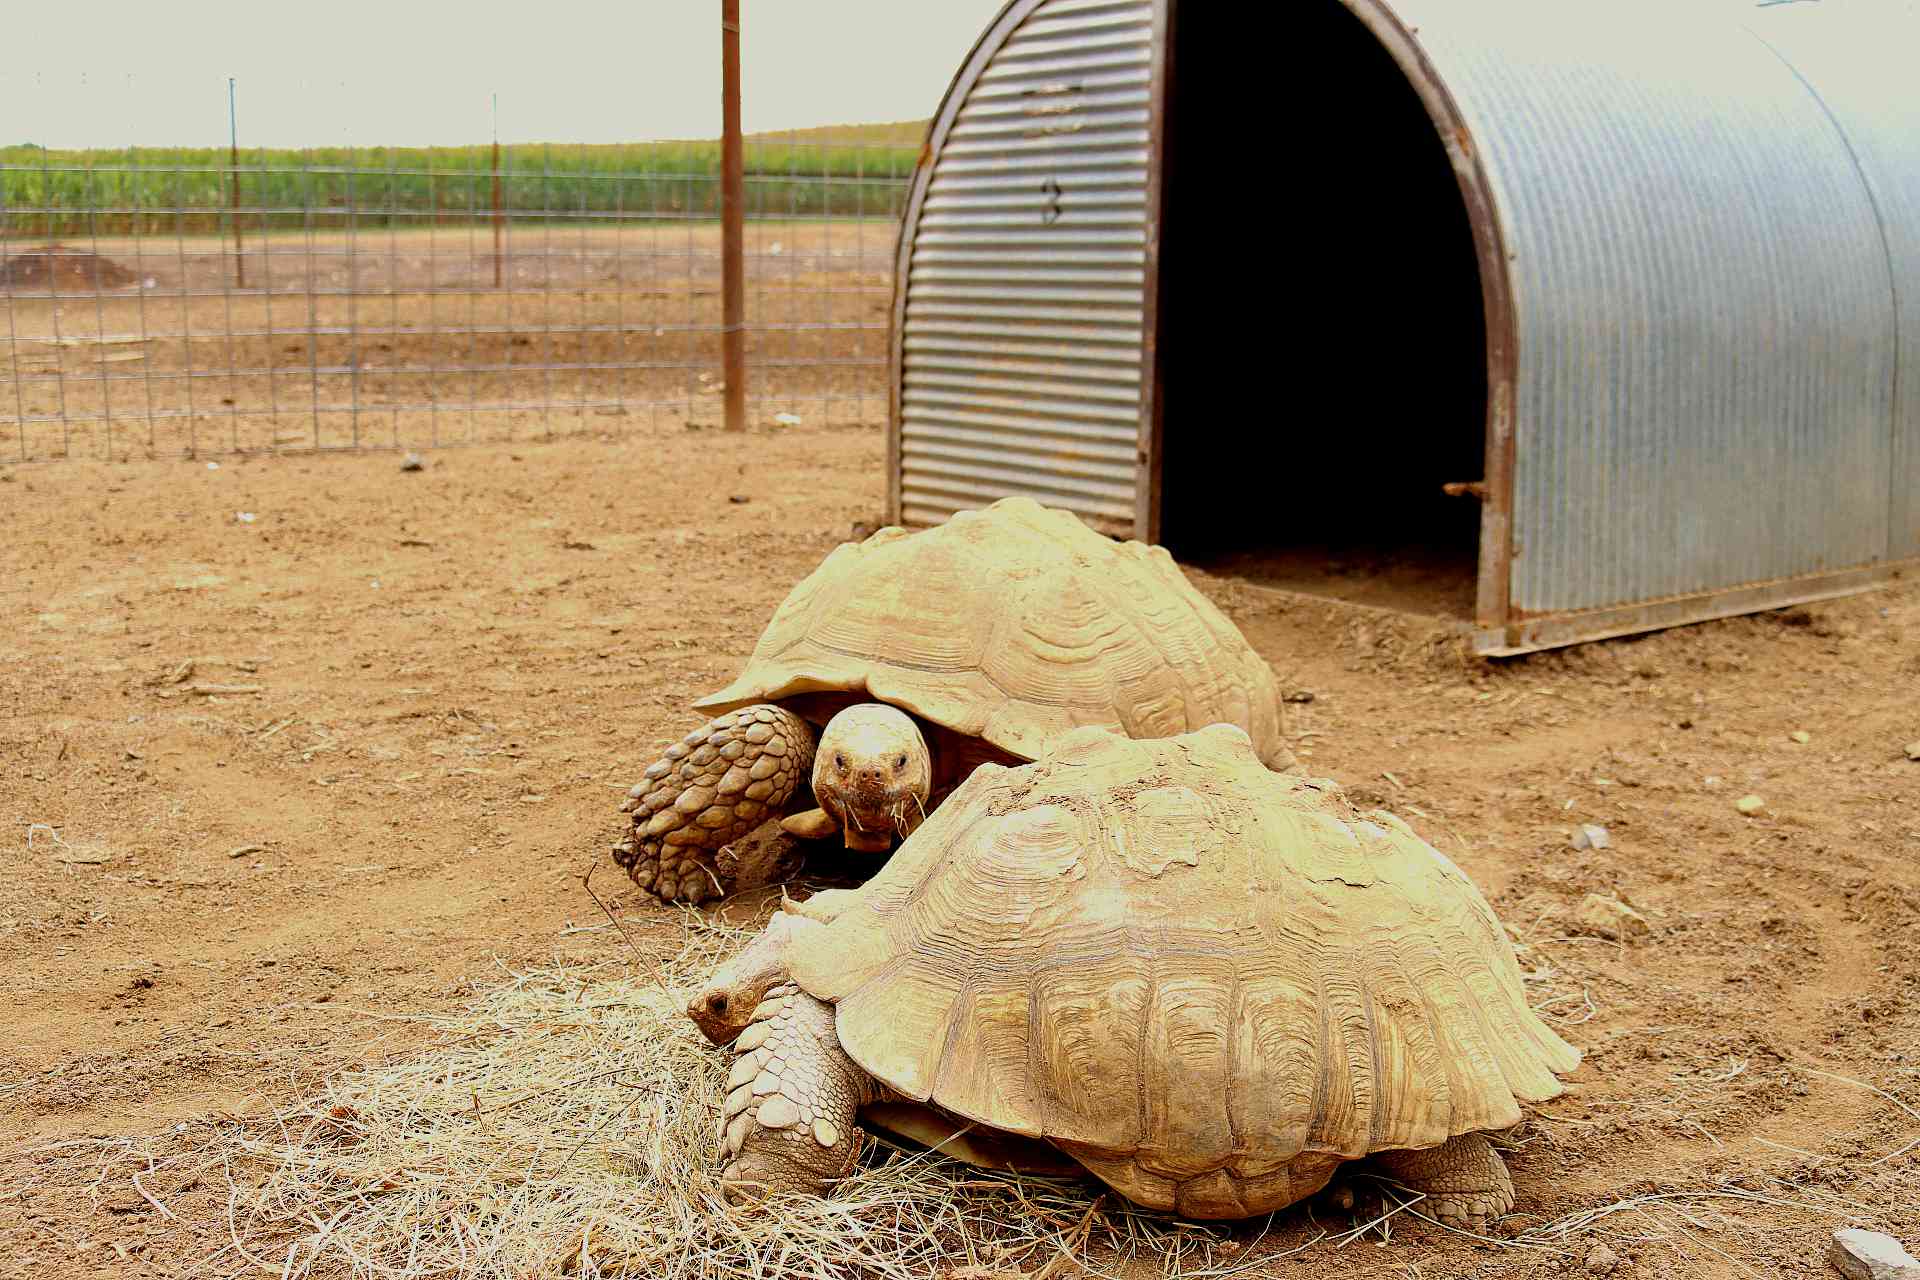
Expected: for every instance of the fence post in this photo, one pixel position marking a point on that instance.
(496, 191)
(233, 179)
(733, 291)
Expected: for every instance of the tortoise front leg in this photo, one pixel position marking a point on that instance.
(789, 1120)
(713, 787)
(1465, 1182)
(811, 824)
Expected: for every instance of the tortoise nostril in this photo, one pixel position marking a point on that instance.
(717, 1004)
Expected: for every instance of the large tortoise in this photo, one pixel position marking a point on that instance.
(1207, 983)
(924, 654)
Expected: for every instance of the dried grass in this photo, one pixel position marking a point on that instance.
(563, 1124)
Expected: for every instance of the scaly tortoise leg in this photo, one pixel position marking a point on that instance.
(1465, 1182)
(789, 1120)
(713, 787)
(811, 824)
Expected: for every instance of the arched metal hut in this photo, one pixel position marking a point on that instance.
(1645, 280)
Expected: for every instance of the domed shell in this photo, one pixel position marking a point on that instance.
(1014, 624)
(1199, 977)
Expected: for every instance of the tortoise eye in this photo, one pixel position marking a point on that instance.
(900, 761)
(840, 762)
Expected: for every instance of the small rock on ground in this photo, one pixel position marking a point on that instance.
(1913, 751)
(1610, 917)
(1750, 805)
(413, 462)
(1601, 1260)
(1591, 836)
(1871, 1255)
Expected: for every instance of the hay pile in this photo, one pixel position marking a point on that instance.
(563, 1124)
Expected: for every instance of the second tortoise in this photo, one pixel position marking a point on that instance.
(1207, 983)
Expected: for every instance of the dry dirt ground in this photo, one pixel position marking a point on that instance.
(437, 684)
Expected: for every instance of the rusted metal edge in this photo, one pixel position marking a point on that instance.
(1493, 604)
(1552, 631)
(1146, 485)
(978, 59)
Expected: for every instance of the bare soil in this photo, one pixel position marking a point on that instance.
(265, 781)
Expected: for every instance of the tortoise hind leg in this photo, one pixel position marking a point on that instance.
(1465, 1182)
(713, 787)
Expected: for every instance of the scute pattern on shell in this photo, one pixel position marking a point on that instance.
(1207, 981)
(725, 778)
(1015, 624)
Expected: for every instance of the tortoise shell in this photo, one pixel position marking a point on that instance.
(1208, 982)
(1014, 624)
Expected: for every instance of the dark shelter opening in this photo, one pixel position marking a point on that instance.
(1322, 336)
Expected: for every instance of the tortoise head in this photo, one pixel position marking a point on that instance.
(723, 1007)
(873, 772)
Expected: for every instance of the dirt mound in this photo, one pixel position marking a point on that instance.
(56, 267)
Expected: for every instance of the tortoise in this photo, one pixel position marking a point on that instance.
(923, 655)
(1207, 983)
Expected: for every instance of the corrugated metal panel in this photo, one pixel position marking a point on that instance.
(1704, 312)
(1021, 344)
(1859, 59)
(1699, 232)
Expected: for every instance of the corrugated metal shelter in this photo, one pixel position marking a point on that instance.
(1649, 274)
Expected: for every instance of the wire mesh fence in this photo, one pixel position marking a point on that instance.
(168, 302)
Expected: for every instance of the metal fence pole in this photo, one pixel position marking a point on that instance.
(733, 285)
(233, 179)
(496, 191)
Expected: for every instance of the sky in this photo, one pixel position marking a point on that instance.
(401, 72)
(117, 73)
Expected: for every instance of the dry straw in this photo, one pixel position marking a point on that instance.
(563, 1124)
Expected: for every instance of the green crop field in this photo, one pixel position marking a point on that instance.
(843, 171)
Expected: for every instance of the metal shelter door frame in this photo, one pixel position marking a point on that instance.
(1493, 598)
(1147, 477)
(1494, 581)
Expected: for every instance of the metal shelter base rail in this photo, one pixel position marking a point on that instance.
(1605, 624)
